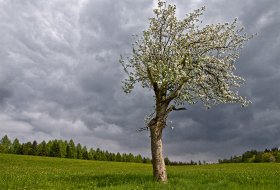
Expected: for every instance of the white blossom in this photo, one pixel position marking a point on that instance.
(185, 63)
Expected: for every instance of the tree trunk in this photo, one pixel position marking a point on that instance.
(159, 169)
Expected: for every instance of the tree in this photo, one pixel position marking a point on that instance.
(130, 157)
(258, 157)
(248, 156)
(49, 147)
(71, 150)
(55, 149)
(91, 154)
(166, 161)
(42, 149)
(268, 157)
(79, 151)
(97, 155)
(27, 148)
(84, 153)
(103, 156)
(124, 157)
(183, 63)
(34, 148)
(118, 157)
(138, 159)
(147, 161)
(62, 148)
(5, 145)
(16, 147)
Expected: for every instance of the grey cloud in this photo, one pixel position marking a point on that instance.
(4, 93)
(60, 78)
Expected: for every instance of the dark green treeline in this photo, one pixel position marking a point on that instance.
(65, 149)
(254, 156)
(68, 149)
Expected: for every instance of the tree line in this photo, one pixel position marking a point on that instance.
(68, 149)
(65, 149)
(254, 156)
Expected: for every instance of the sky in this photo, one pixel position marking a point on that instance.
(60, 78)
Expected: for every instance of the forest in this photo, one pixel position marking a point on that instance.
(254, 156)
(68, 149)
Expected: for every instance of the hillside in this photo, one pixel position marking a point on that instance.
(33, 172)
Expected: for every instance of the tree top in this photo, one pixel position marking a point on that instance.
(183, 61)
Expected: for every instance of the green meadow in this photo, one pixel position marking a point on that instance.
(32, 172)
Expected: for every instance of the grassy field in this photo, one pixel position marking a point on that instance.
(31, 172)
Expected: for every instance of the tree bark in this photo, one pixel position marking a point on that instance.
(159, 169)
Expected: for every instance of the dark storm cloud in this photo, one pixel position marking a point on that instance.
(4, 93)
(60, 78)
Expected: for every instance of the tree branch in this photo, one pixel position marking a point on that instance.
(143, 129)
(173, 108)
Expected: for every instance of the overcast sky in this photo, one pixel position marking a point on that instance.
(60, 78)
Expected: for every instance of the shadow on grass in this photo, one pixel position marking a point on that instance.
(107, 180)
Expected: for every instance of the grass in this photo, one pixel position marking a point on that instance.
(31, 172)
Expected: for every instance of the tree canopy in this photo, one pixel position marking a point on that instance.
(184, 61)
